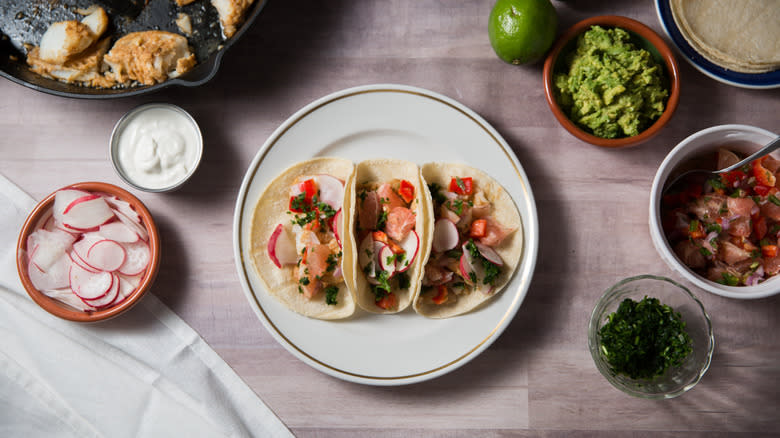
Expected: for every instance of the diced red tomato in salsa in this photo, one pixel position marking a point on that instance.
(461, 186)
(478, 228)
(387, 302)
(406, 191)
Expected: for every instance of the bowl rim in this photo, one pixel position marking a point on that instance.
(672, 159)
(119, 126)
(636, 28)
(593, 347)
(55, 307)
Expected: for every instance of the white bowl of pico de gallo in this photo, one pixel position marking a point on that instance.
(721, 234)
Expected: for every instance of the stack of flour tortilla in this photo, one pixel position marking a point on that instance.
(743, 36)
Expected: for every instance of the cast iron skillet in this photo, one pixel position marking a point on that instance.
(24, 21)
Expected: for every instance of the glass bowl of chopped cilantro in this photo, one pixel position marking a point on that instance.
(650, 337)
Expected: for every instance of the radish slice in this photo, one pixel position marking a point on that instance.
(137, 257)
(87, 214)
(387, 260)
(62, 200)
(445, 235)
(49, 246)
(137, 226)
(77, 201)
(338, 226)
(76, 258)
(411, 246)
(470, 266)
(281, 248)
(110, 296)
(127, 285)
(89, 285)
(82, 246)
(366, 256)
(118, 231)
(106, 255)
(68, 297)
(123, 207)
(489, 253)
(56, 277)
(331, 190)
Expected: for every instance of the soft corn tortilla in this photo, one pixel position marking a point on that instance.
(742, 36)
(504, 211)
(271, 210)
(380, 171)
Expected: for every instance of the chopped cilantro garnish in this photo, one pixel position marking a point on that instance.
(456, 206)
(304, 281)
(403, 281)
(729, 279)
(454, 254)
(435, 190)
(332, 261)
(380, 223)
(716, 184)
(491, 271)
(714, 227)
(331, 293)
(773, 199)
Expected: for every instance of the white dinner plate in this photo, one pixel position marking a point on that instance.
(390, 121)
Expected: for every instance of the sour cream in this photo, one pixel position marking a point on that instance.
(156, 147)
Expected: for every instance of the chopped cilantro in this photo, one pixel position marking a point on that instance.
(491, 271)
(642, 339)
(716, 184)
(380, 223)
(435, 190)
(403, 281)
(773, 199)
(331, 294)
(304, 281)
(729, 279)
(332, 261)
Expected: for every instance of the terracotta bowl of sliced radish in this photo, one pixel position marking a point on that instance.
(88, 252)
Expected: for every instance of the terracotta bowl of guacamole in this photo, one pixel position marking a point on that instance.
(611, 81)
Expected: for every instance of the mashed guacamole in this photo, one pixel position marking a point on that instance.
(609, 87)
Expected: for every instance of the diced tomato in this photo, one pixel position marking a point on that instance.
(461, 186)
(387, 302)
(759, 227)
(441, 294)
(732, 177)
(309, 189)
(769, 251)
(696, 231)
(763, 176)
(406, 190)
(380, 236)
(478, 228)
(761, 190)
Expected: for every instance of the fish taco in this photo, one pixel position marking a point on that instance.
(296, 238)
(386, 230)
(476, 240)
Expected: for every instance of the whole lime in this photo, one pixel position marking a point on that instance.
(522, 31)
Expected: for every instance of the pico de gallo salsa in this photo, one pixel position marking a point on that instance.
(727, 228)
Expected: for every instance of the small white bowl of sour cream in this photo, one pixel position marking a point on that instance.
(156, 147)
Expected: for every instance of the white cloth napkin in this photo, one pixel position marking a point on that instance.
(143, 374)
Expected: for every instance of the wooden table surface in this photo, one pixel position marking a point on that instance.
(538, 377)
